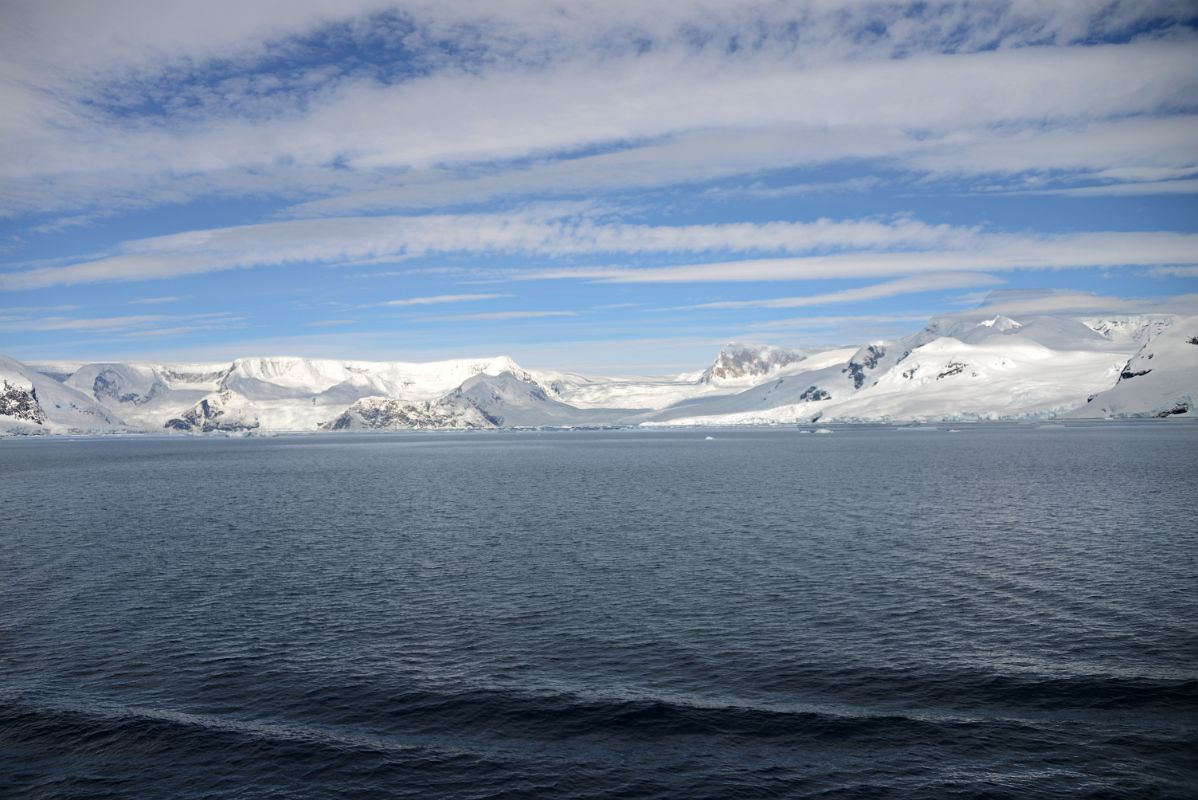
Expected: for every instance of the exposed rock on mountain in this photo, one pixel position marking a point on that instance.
(1135, 329)
(863, 361)
(380, 413)
(39, 404)
(484, 401)
(965, 366)
(814, 393)
(944, 379)
(19, 402)
(1160, 380)
(219, 412)
(740, 361)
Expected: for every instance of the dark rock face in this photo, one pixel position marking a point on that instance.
(1180, 408)
(107, 384)
(952, 368)
(814, 393)
(451, 411)
(740, 361)
(206, 417)
(1192, 340)
(20, 404)
(867, 358)
(1128, 373)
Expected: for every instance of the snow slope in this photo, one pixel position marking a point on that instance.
(966, 366)
(1160, 380)
(31, 402)
(944, 379)
(276, 394)
(483, 401)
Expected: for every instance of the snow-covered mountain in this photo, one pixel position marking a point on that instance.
(741, 362)
(32, 403)
(1158, 381)
(277, 394)
(483, 401)
(1135, 329)
(959, 367)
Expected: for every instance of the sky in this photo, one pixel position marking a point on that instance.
(607, 186)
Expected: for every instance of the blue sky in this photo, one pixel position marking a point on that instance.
(607, 186)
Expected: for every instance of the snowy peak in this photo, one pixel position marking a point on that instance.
(1000, 323)
(972, 365)
(292, 376)
(741, 361)
(1136, 329)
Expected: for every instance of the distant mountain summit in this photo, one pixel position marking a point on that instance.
(741, 361)
(959, 367)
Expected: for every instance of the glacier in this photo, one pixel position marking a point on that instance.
(963, 367)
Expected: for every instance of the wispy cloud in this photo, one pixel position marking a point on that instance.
(140, 324)
(438, 299)
(547, 231)
(1033, 302)
(503, 315)
(847, 248)
(102, 110)
(330, 323)
(822, 322)
(1184, 186)
(656, 152)
(912, 285)
(1174, 272)
(23, 310)
(996, 252)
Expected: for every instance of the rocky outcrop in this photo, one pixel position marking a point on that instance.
(813, 393)
(738, 361)
(863, 360)
(214, 413)
(952, 368)
(109, 384)
(1160, 380)
(20, 403)
(381, 413)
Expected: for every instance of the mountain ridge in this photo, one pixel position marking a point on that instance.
(959, 367)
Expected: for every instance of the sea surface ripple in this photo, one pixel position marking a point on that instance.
(1009, 612)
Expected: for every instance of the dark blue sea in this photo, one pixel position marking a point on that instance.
(1004, 612)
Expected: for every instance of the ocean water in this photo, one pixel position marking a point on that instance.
(1008, 611)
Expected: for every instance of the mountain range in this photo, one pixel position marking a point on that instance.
(958, 368)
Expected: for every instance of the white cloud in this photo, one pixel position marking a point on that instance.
(553, 78)
(852, 248)
(502, 315)
(1132, 189)
(544, 231)
(1032, 302)
(822, 322)
(437, 299)
(126, 324)
(1174, 272)
(912, 285)
(992, 252)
